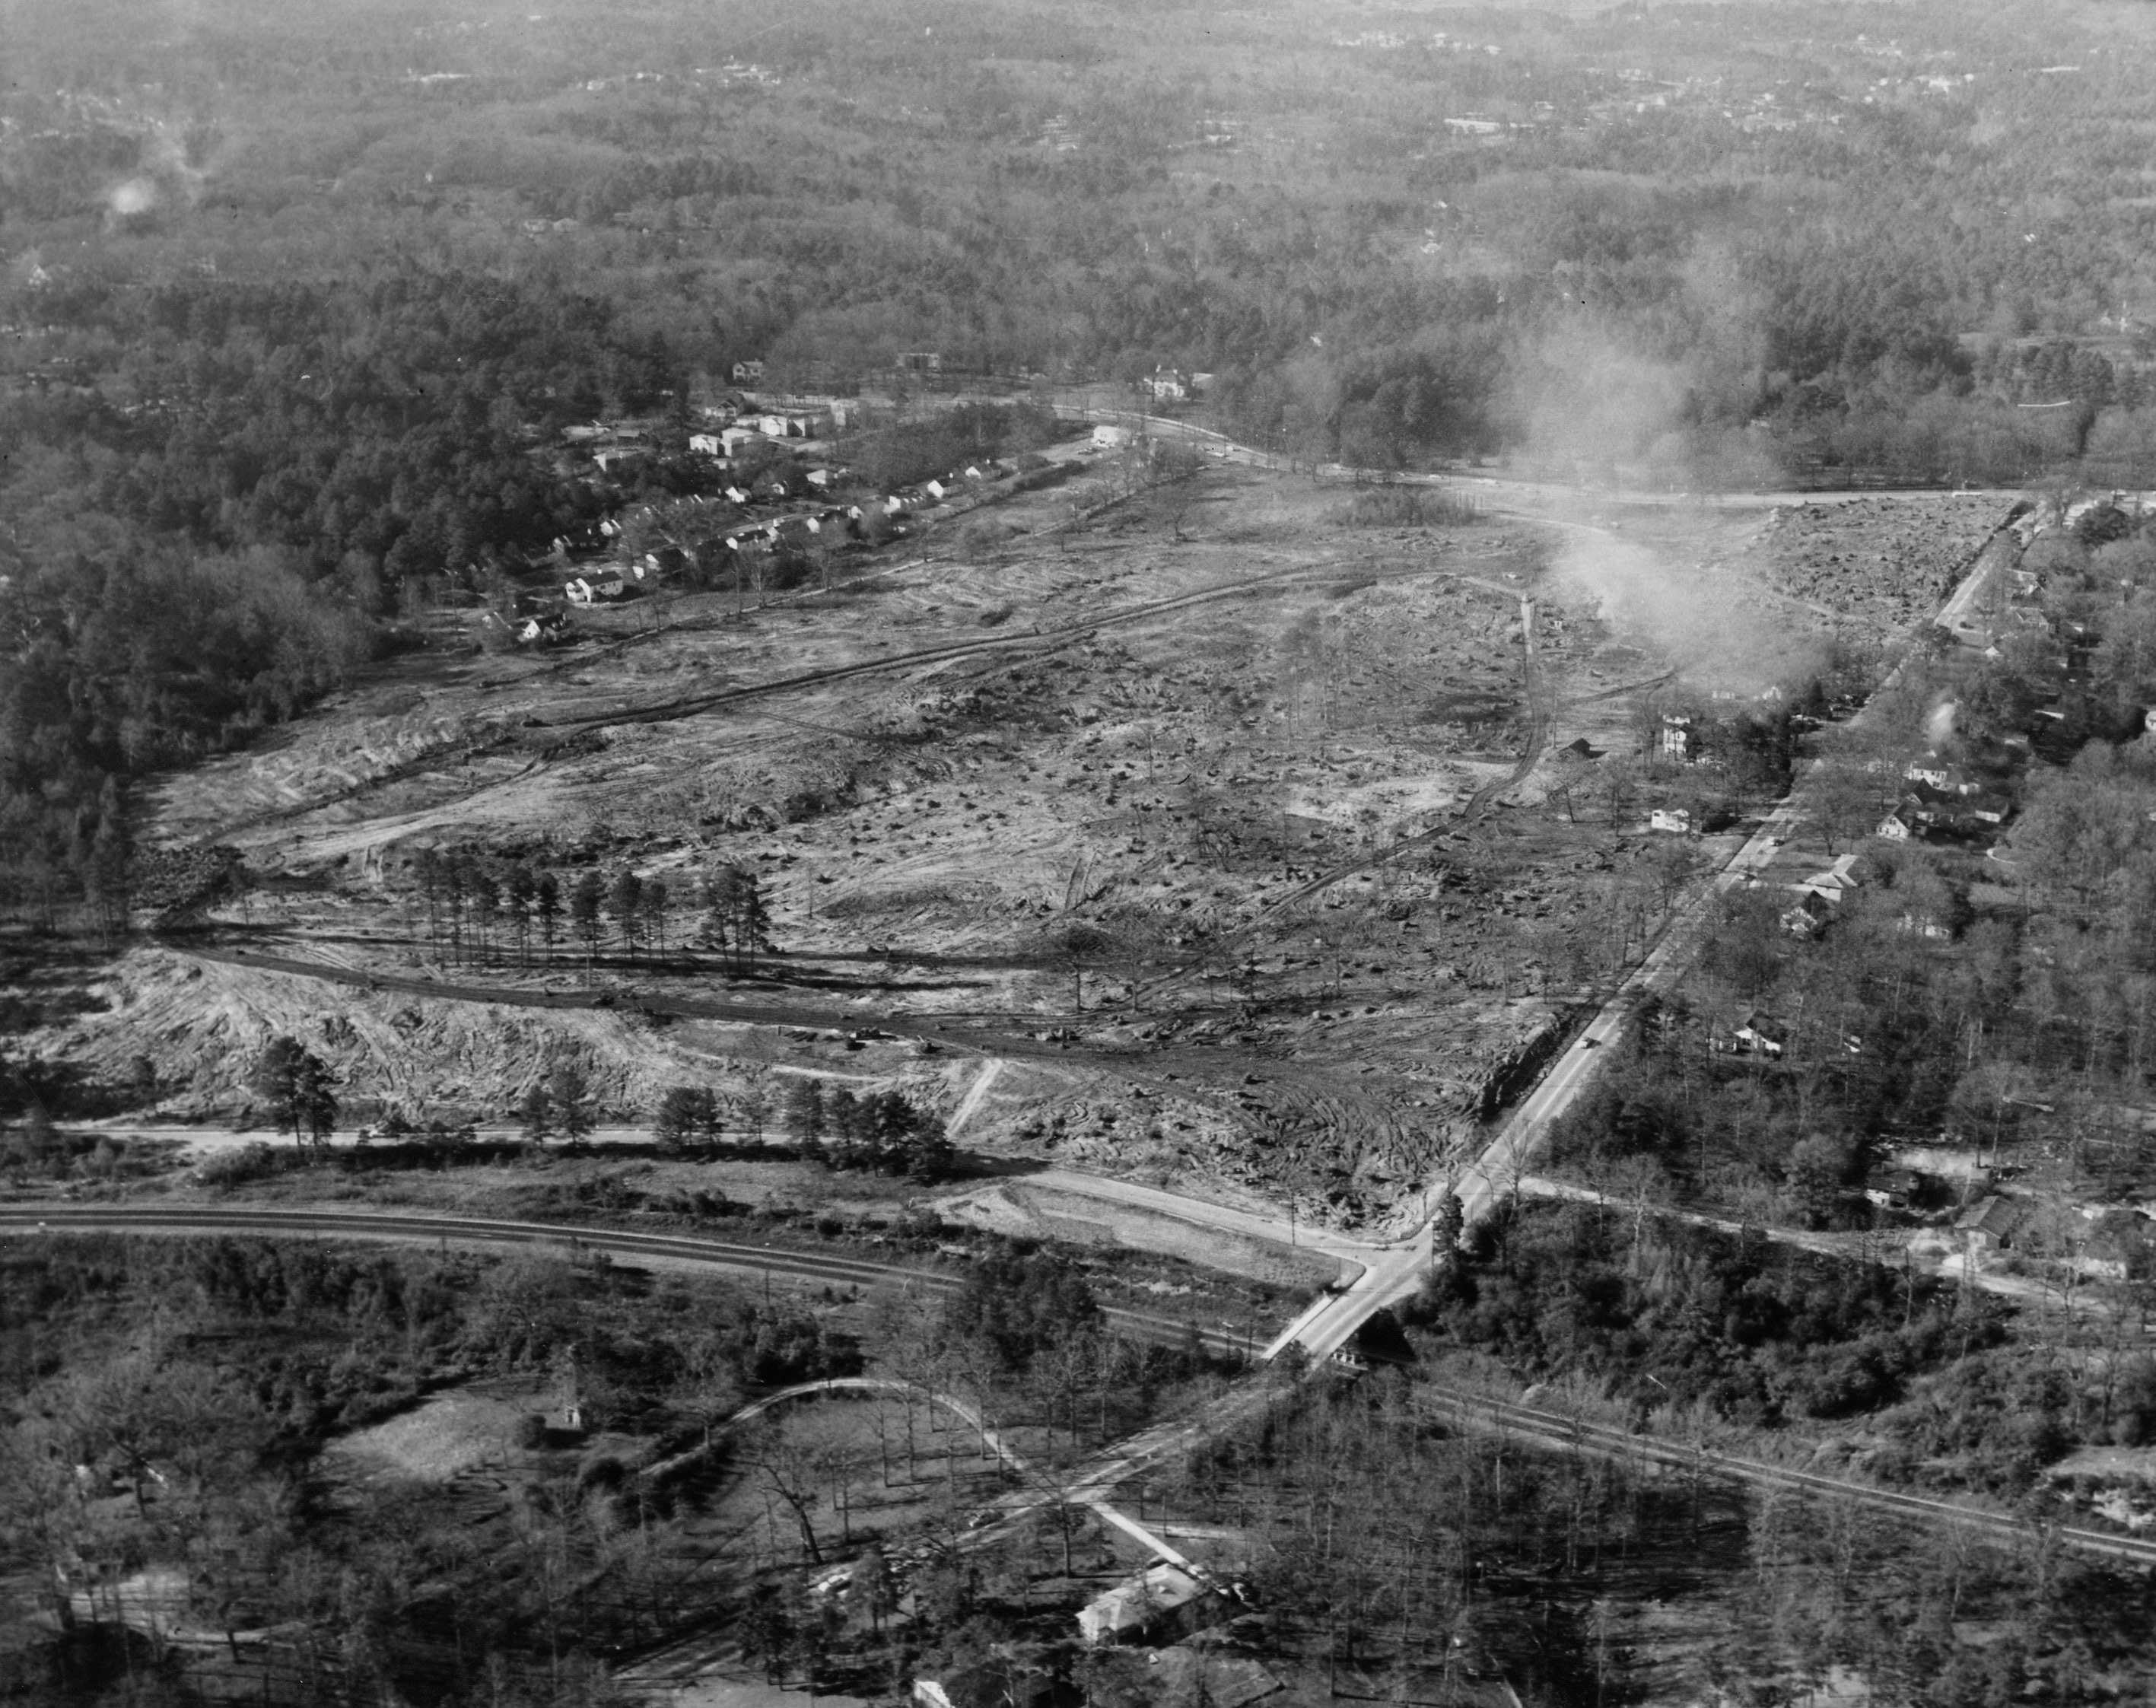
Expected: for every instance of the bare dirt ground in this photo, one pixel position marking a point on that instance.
(1301, 789)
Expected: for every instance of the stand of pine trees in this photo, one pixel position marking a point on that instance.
(484, 911)
(881, 1131)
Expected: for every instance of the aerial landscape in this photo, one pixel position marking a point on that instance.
(991, 855)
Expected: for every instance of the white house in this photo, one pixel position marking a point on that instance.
(1677, 820)
(1892, 828)
(1162, 1592)
(1834, 883)
(584, 589)
(709, 444)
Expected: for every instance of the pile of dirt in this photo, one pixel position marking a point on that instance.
(202, 1023)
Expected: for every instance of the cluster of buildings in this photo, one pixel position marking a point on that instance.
(1942, 800)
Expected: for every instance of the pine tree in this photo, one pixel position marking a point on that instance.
(584, 902)
(570, 1093)
(804, 1118)
(427, 868)
(736, 920)
(651, 904)
(842, 1119)
(752, 919)
(1446, 1228)
(298, 1086)
(930, 1155)
(676, 1117)
(520, 891)
(486, 910)
(546, 903)
(535, 1115)
(624, 896)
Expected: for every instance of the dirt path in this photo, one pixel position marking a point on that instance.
(984, 1082)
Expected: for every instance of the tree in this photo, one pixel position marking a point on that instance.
(569, 1095)
(735, 921)
(520, 891)
(1446, 1227)
(684, 1111)
(535, 1115)
(931, 1155)
(299, 1088)
(547, 904)
(651, 905)
(584, 900)
(803, 1119)
(672, 1121)
(625, 903)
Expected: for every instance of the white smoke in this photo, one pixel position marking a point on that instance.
(1708, 623)
(132, 196)
(162, 174)
(1939, 726)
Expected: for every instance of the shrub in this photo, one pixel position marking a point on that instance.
(250, 1162)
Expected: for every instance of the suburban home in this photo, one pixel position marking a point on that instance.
(1808, 917)
(1990, 1223)
(708, 445)
(1892, 1189)
(1676, 739)
(918, 361)
(585, 589)
(1893, 828)
(1677, 820)
(1834, 883)
(748, 373)
(1165, 1601)
(1753, 1035)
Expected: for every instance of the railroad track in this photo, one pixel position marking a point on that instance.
(737, 1256)
(1578, 1434)
(1553, 1429)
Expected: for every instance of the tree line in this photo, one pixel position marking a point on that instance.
(480, 908)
